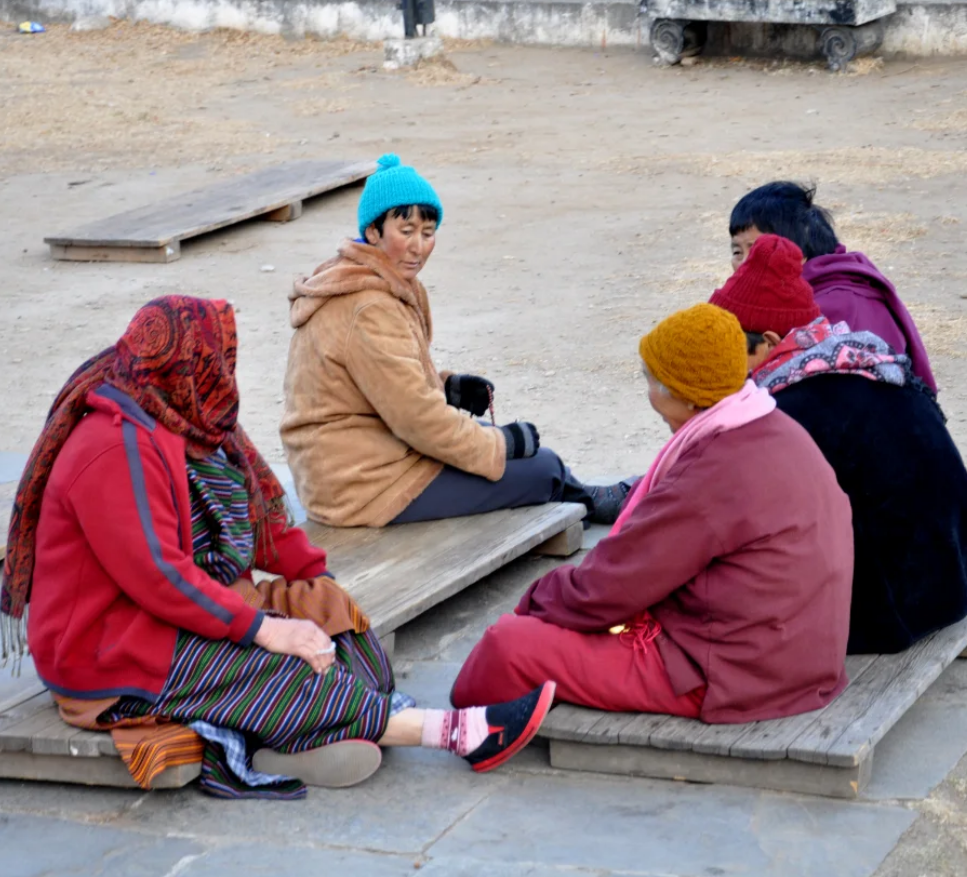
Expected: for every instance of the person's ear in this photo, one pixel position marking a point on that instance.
(771, 338)
(372, 236)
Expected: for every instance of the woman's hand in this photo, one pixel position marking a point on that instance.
(470, 392)
(302, 639)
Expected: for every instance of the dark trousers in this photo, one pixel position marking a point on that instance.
(532, 481)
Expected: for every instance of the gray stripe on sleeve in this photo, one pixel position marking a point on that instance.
(130, 433)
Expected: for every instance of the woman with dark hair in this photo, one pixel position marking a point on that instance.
(883, 433)
(141, 514)
(847, 286)
(373, 432)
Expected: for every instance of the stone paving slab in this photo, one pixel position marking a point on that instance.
(926, 744)
(277, 860)
(396, 811)
(429, 810)
(646, 827)
(35, 846)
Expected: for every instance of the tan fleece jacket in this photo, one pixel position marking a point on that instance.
(366, 425)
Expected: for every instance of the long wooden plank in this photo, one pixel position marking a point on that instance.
(579, 724)
(212, 207)
(859, 718)
(31, 689)
(58, 738)
(87, 771)
(569, 722)
(783, 776)
(766, 739)
(20, 737)
(772, 738)
(396, 573)
(18, 713)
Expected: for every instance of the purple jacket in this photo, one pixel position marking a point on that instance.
(849, 288)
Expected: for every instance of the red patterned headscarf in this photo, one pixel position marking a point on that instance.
(177, 362)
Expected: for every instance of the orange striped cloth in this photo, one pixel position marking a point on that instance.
(146, 745)
(150, 745)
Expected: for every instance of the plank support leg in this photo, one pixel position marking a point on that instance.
(167, 253)
(285, 214)
(783, 775)
(564, 544)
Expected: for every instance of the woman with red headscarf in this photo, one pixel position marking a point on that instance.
(140, 516)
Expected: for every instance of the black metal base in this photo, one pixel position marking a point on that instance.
(673, 39)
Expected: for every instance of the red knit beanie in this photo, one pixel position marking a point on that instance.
(767, 292)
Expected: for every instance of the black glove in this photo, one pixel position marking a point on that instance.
(469, 392)
(523, 440)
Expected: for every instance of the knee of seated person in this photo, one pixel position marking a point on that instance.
(547, 465)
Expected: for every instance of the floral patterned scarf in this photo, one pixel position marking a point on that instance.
(824, 349)
(176, 360)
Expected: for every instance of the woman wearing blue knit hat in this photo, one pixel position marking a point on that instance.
(373, 432)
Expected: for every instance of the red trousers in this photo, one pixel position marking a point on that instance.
(598, 670)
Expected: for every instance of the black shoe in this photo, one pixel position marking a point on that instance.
(512, 726)
(608, 501)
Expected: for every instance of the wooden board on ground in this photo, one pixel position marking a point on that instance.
(154, 233)
(36, 744)
(395, 573)
(826, 752)
(398, 572)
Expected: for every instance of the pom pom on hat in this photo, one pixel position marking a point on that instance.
(699, 354)
(768, 293)
(394, 185)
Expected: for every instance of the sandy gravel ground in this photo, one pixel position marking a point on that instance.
(586, 194)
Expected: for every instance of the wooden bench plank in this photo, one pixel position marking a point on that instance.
(31, 689)
(19, 712)
(87, 771)
(645, 761)
(771, 739)
(399, 572)
(20, 736)
(858, 719)
(150, 231)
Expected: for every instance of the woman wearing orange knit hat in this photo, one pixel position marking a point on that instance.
(881, 430)
(722, 592)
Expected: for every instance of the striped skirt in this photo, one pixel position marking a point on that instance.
(273, 701)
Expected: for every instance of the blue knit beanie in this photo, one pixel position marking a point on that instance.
(394, 185)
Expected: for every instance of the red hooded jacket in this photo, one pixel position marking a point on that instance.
(115, 579)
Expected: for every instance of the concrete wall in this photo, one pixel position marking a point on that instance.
(924, 28)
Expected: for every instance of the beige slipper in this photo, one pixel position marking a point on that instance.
(333, 766)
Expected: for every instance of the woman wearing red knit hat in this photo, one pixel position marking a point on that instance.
(881, 429)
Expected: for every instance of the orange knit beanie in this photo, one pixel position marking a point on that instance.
(699, 354)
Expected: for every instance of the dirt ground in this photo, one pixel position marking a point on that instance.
(586, 194)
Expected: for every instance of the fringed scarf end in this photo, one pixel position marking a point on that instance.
(13, 641)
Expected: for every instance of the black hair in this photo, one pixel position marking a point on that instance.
(427, 212)
(786, 209)
(752, 341)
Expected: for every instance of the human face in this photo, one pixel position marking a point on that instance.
(406, 241)
(674, 412)
(742, 243)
